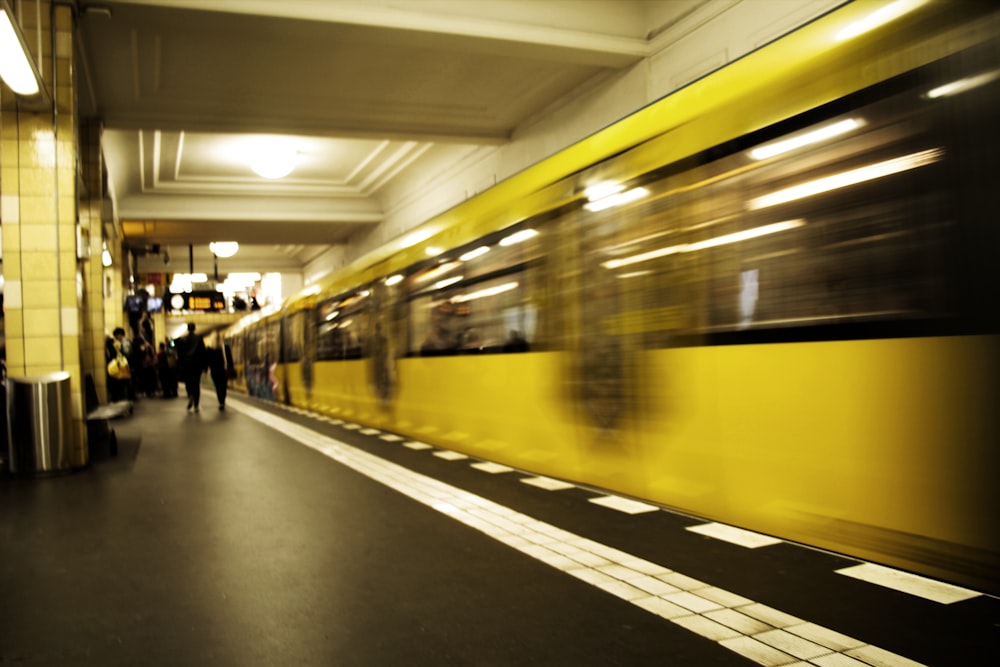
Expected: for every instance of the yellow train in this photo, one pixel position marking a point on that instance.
(769, 299)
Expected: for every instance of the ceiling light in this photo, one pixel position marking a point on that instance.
(394, 279)
(16, 67)
(106, 258)
(224, 248)
(272, 157)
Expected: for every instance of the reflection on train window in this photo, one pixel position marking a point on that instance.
(845, 221)
(491, 315)
(476, 299)
(342, 326)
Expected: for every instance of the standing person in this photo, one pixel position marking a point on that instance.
(166, 363)
(119, 383)
(193, 362)
(220, 377)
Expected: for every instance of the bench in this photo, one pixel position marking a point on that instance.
(99, 416)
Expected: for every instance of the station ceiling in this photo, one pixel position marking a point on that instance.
(369, 90)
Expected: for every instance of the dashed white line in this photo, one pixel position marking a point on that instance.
(733, 535)
(624, 504)
(908, 583)
(622, 572)
(449, 455)
(547, 483)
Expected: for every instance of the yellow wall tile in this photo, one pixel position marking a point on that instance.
(67, 237)
(37, 209)
(67, 292)
(11, 238)
(42, 369)
(67, 262)
(38, 238)
(38, 266)
(33, 292)
(15, 354)
(8, 177)
(71, 351)
(42, 351)
(67, 207)
(13, 322)
(40, 294)
(41, 322)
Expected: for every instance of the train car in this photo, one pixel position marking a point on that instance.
(766, 300)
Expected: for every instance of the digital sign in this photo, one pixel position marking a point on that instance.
(205, 301)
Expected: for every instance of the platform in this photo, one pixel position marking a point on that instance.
(262, 535)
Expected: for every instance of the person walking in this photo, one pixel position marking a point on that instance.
(193, 360)
(217, 368)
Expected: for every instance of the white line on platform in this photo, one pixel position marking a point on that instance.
(908, 583)
(616, 572)
(733, 535)
(624, 504)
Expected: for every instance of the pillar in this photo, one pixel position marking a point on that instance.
(38, 215)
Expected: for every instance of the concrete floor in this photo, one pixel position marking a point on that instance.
(218, 538)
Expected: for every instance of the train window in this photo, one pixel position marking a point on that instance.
(492, 315)
(342, 326)
(857, 229)
(476, 299)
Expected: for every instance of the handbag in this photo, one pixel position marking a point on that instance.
(118, 368)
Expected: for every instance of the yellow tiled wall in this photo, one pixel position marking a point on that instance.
(38, 214)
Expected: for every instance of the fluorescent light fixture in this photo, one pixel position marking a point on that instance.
(472, 254)
(518, 237)
(489, 291)
(394, 280)
(243, 278)
(106, 258)
(224, 248)
(447, 281)
(813, 137)
(963, 85)
(332, 316)
(272, 157)
(735, 237)
(847, 178)
(433, 251)
(16, 67)
(617, 199)
(879, 17)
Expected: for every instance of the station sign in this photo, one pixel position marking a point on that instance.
(203, 301)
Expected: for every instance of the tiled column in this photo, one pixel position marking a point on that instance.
(38, 205)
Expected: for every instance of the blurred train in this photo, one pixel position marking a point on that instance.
(770, 300)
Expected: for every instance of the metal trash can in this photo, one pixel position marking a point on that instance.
(39, 424)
